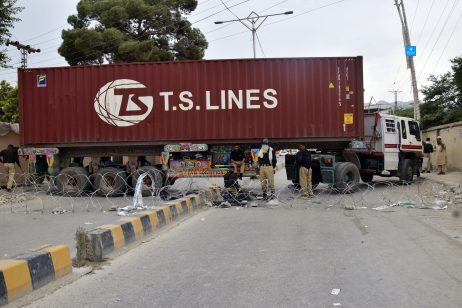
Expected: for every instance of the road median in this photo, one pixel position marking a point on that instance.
(96, 244)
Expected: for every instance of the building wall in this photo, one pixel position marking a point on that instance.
(452, 137)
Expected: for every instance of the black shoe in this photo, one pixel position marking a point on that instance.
(265, 197)
(8, 189)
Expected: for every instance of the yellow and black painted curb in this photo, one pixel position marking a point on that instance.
(106, 239)
(31, 270)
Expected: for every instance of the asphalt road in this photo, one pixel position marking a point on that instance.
(278, 257)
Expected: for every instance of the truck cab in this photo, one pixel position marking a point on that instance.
(391, 147)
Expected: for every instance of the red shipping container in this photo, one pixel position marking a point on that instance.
(214, 101)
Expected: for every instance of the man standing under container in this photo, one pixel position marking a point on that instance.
(267, 162)
(9, 159)
(238, 160)
(303, 162)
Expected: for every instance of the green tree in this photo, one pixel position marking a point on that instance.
(8, 10)
(119, 31)
(405, 112)
(442, 103)
(8, 103)
(457, 75)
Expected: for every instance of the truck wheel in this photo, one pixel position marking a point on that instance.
(110, 181)
(406, 173)
(347, 177)
(72, 181)
(151, 183)
(366, 177)
(170, 181)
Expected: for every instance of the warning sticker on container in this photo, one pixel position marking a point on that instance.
(41, 80)
(347, 118)
(331, 85)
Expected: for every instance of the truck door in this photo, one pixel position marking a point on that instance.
(391, 144)
(410, 135)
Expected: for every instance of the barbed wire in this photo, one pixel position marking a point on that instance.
(65, 193)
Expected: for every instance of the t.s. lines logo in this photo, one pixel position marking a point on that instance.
(126, 102)
(123, 102)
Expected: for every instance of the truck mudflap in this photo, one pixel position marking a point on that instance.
(292, 170)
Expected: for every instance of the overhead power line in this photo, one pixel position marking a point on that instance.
(24, 49)
(252, 22)
(439, 36)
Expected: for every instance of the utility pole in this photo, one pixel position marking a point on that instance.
(254, 22)
(25, 50)
(410, 60)
(395, 91)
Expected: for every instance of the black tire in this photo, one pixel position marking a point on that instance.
(347, 177)
(110, 182)
(170, 181)
(366, 177)
(72, 181)
(151, 183)
(406, 174)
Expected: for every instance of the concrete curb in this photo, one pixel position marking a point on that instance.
(106, 239)
(31, 270)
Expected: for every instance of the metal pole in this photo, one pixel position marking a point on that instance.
(410, 59)
(24, 49)
(253, 19)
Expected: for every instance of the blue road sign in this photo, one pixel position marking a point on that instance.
(411, 51)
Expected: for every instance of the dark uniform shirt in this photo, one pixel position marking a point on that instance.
(303, 159)
(266, 161)
(428, 148)
(237, 155)
(9, 156)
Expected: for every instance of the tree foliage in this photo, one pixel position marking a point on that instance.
(8, 103)
(405, 112)
(8, 11)
(443, 97)
(118, 31)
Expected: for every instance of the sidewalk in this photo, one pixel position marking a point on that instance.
(450, 178)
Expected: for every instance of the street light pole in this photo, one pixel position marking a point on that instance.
(255, 21)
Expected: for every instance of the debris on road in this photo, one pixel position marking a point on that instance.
(335, 291)
(59, 210)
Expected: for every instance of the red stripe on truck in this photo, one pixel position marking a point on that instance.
(412, 147)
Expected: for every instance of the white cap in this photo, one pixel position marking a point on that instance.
(439, 137)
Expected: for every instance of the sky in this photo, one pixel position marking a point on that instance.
(318, 28)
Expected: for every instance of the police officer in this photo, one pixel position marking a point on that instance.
(267, 162)
(303, 161)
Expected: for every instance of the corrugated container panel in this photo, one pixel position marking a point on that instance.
(195, 101)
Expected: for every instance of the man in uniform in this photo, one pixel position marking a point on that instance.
(303, 162)
(428, 149)
(267, 162)
(9, 159)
